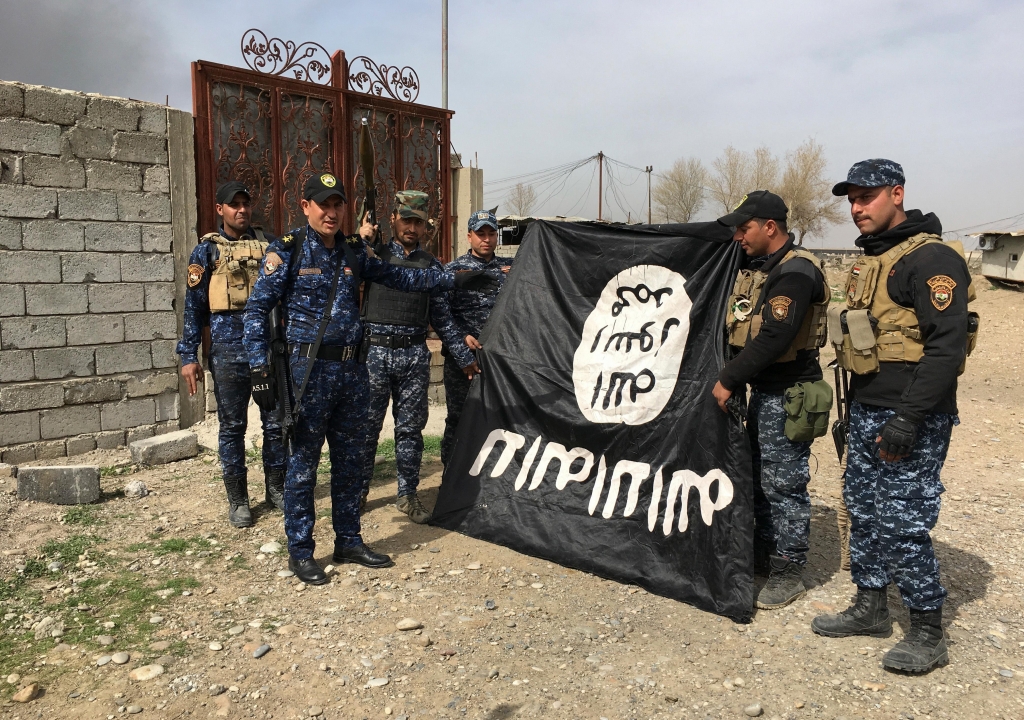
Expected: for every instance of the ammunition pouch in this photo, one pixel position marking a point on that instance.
(807, 407)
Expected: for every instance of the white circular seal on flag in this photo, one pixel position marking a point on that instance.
(627, 363)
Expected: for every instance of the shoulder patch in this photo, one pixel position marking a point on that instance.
(780, 307)
(271, 263)
(942, 291)
(287, 240)
(195, 274)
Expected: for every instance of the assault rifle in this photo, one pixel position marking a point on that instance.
(282, 377)
(841, 427)
(366, 163)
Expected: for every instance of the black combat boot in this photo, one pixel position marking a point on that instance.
(361, 555)
(869, 615)
(308, 571)
(238, 501)
(784, 585)
(274, 487)
(921, 649)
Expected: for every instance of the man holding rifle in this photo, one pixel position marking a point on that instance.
(221, 273)
(315, 275)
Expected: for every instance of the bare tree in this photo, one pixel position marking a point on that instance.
(737, 173)
(520, 199)
(764, 170)
(679, 193)
(807, 193)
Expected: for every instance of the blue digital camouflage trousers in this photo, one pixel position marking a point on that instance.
(333, 407)
(232, 387)
(894, 506)
(399, 375)
(782, 507)
(456, 388)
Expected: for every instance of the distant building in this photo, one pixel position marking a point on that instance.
(1001, 252)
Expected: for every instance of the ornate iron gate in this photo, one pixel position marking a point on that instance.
(296, 112)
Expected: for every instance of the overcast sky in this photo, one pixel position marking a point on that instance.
(933, 85)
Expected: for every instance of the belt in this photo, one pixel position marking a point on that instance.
(398, 341)
(328, 352)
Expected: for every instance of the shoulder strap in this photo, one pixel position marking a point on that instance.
(324, 320)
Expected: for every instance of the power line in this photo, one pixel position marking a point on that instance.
(1014, 218)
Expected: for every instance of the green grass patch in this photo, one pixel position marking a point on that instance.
(432, 446)
(83, 515)
(238, 563)
(170, 546)
(68, 551)
(116, 470)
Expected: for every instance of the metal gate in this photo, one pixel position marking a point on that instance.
(296, 112)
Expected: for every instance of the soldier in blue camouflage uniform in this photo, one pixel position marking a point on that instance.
(903, 412)
(398, 360)
(470, 309)
(228, 363)
(298, 272)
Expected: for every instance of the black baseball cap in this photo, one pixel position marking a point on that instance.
(758, 204)
(226, 192)
(320, 187)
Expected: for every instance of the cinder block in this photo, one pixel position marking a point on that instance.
(69, 420)
(30, 267)
(65, 299)
(156, 238)
(87, 205)
(53, 235)
(50, 449)
(31, 396)
(113, 237)
(64, 362)
(159, 296)
(95, 329)
(49, 171)
(166, 407)
(55, 106)
(150, 326)
(80, 445)
(12, 300)
(154, 383)
(109, 440)
(139, 433)
(60, 485)
(166, 448)
(162, 428)
(158, 179)
(163, 354)
(18, 201)
(32, 332)
(128, 413)
(127, 357)
(153, 120)
(90, 143)
(89, 267)
(12, 99)
(27, 136)
(123, 297)
(94, 390)
(20, 454)
(144, 207)
(10, 235)
(156, 267)
(101, 175)
(16, 366)
(18, 428)
(112, 113)
(140, 148)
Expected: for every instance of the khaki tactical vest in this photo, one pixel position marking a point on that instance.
(872, 328)
(235, 270)
(745, 305)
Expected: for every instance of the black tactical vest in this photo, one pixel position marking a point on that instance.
(394, 307)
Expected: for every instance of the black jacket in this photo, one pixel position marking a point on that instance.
(801, 282)
(915, 389)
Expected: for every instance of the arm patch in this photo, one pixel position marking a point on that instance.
(195, 274)
(780, 307)
(941, 291)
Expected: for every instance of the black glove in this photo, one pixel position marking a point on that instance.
(476, 280)
(264, 392)
(898, 437)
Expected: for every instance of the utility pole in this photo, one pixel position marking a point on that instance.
(444, 54)
(600, 181)
(649, 169)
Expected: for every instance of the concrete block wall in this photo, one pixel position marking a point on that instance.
(87, 275)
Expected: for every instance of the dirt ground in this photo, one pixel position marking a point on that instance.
(166, 580)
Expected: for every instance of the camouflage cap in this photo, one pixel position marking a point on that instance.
(481, 218)
(877, 172)
(412, 204)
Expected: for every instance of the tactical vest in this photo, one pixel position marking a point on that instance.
(395, 307)
(236, 268)
(872, 328)
(745, 305)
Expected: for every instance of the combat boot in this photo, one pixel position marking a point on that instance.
(869, 615)
(274, 488)
(238, 501)
(411, 506)
(784, 585)
(921, 649)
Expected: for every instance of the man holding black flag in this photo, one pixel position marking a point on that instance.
(904, 333)
(776, 321)
(222, 270)
(315, 275)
